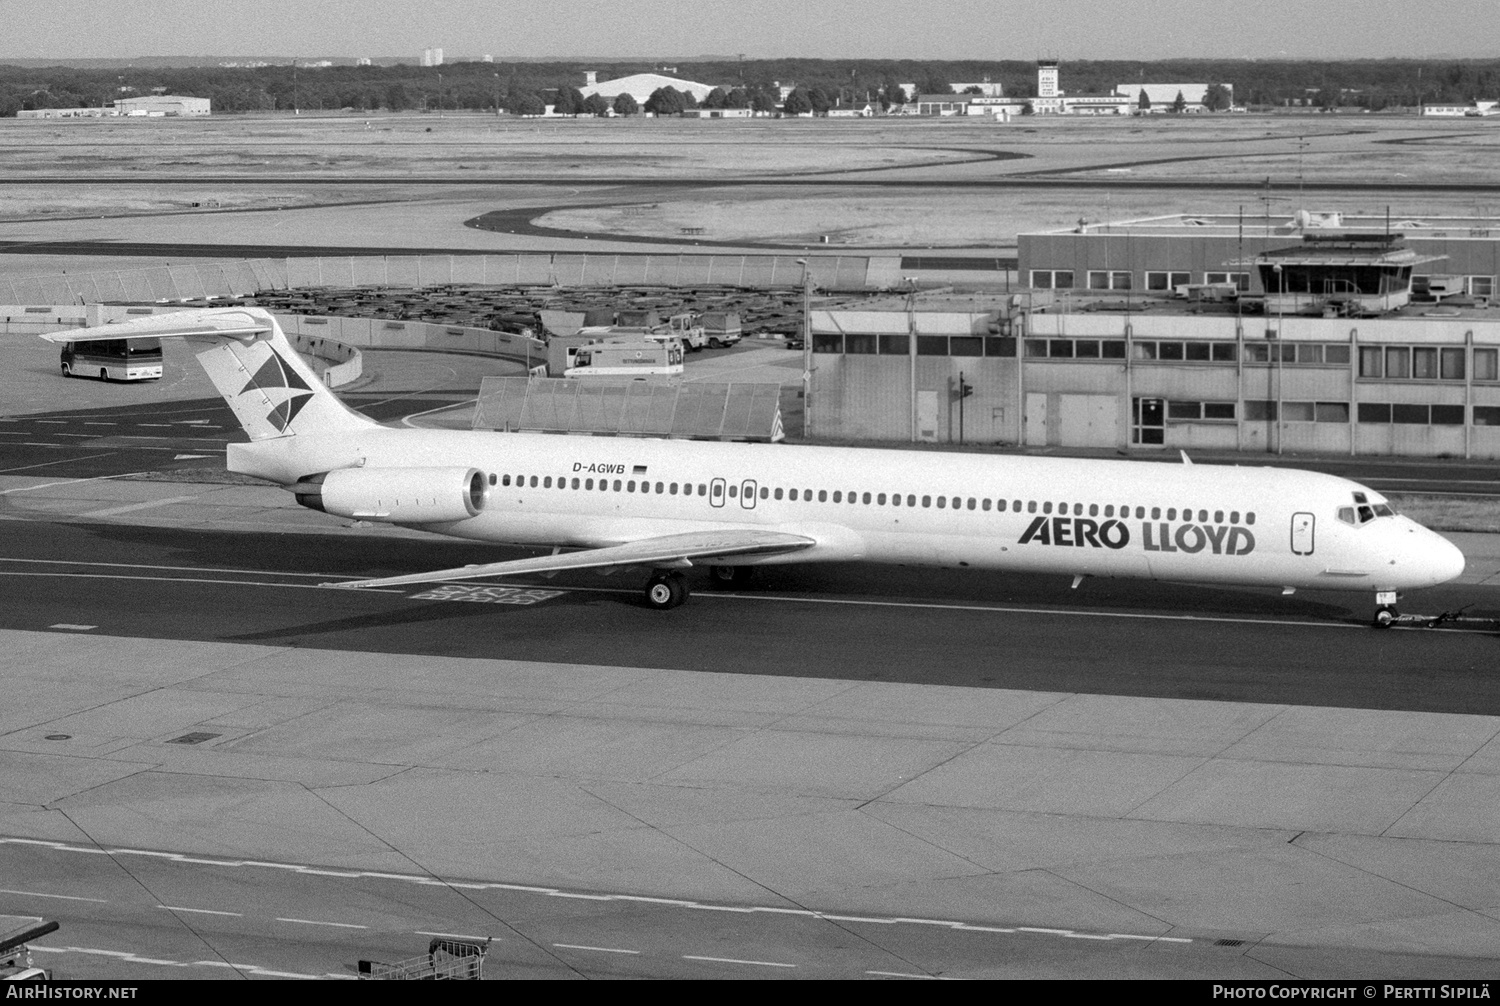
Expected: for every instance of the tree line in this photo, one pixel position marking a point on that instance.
(818, 84)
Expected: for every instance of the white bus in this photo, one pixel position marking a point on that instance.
(113, 359)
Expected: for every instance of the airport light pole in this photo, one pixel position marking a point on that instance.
(1280, 316)
(911, 348)
(807, 367)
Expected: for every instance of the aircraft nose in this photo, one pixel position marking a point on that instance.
(1443, 560)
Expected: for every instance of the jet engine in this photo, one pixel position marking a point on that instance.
(397, 495)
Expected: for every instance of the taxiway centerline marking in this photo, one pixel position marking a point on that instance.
(45, 464)
(195, 579)
(552, 892)
(602, 950)
(64, 897)
(736, 960)
(200, 911)
(315, 922)
(111, 511)
(65, 482)
(128, 957)
(175, 569)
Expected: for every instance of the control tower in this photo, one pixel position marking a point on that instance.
(1046, 79)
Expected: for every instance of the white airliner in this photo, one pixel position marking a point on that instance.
(670, 504)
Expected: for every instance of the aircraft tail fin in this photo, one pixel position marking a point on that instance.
(271, 389)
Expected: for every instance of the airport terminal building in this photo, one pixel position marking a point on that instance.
(1182, 334)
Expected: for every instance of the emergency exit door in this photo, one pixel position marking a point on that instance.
(747, 494)
(1302, 533)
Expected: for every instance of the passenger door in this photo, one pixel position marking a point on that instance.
(1302, 533)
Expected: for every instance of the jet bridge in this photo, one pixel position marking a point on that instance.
(743, 411)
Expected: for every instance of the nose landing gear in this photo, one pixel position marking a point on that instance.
(665, 590)
(1386, 614)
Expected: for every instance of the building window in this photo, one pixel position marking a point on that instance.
(863, 345)
(1487, 415)
(1397, 362)
(1200, 410)
(1052, 279)
(966, 346)
(1481, 286)
(1413, 415)
(1241, 280)
(1331, 412)
(1421, 363)
(1453, 364)
(1374, 412)
(825, 342)
(1486, 362)
(1447, 415)
(1166, 281)
(1336, 353)
(1259, 411)
(932, 345)
(1184, 410)
(1102, 280)
(1424, 363)
(1297, 412)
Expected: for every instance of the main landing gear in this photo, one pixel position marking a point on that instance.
(666, 589)
(729, 577)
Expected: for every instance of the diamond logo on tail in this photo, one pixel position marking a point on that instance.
(276, 380)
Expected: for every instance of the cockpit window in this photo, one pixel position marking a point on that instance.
(1364, 511)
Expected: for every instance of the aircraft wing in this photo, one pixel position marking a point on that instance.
(668, 550)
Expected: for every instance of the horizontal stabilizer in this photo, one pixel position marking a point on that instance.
(217, 324)
(664, 551)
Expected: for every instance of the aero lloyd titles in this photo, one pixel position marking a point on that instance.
(1156, 536)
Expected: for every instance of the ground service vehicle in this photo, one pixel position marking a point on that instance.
(632, 357)
(113, 359)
